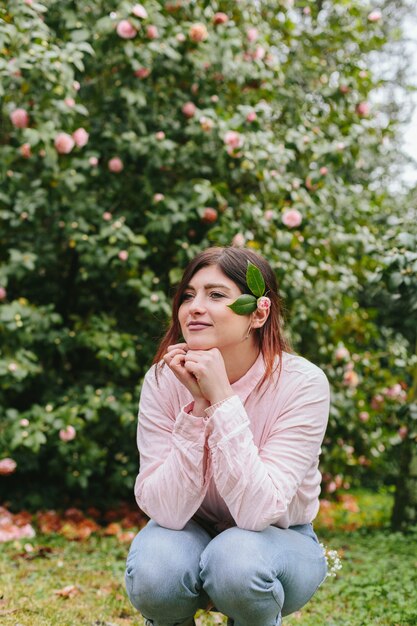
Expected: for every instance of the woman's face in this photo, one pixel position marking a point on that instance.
(205, 319)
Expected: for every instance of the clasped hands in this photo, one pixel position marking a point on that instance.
(203, 372)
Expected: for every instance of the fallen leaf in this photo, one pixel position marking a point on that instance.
(68, 592)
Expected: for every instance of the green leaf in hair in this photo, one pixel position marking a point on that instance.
(244, 305)
(255, 280)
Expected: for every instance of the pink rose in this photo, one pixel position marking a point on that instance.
(263, 303)
(152, 32)
(344, 89)
(238, 240)
(123, 255)
(115, 165)
(209, 215)
(251, 116)
(374, 16)
(24, 422)
(64, 143)
(160, 135)
(80, 137)
(220, 18)
(25, 150)
(67, 434)
(364, 416)
(19, 118)
(70, 102)
(350, 378)
(342, 353)
(3, 293)
(259, 53)
(125, 30)
(189, 109)
(198, 32)
(268, 215)
(363, 109)
(233, 139)
(7, 466)
(107, 216)
(140, 11)
(324, 171)
(252, 34)
(142, 72)
(180, 37)
(158, 197)
(93, 161)
(292, 218)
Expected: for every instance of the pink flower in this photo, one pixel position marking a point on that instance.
(209, 215)
(252, 34)
(142, 72)
(377, 402)
(140, 11)
(158, 197)
(206, 123)
(198, 32)
(180, 37)
(80, 137)
(152, 32)
(238, 240)
(324, 171)
(292, 218)
(24, 422)
(350, 378)
(403, 432)
(233, 139)
(220, 18)
(64, 143)
(25, 150)
(115, 165)
(363, 109)
(268, 215)
(342, 353)
(70, 102)
(154, 297)
(107, 216)
(3, 293)
(76, 85)
(259, 53)
(7, 466)
(160, 135)
(374, 16)
(67, 434)
(123, 255)
(125, 30)
(263, 303)
(364, 416)
(19, 118)
(189, 109)
(251, 116)
(93, 161)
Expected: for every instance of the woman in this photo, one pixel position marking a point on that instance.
(230, 428)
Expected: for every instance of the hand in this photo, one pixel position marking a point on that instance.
(208, 369)
(175, 359)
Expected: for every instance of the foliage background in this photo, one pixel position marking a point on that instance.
(89, 256)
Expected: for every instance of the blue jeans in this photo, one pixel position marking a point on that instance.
(252, 577)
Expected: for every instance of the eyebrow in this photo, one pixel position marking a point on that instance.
(211, 286)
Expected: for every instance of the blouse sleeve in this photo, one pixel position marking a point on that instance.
(258, 485)
(172, 480)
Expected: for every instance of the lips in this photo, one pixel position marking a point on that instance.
(198, 325)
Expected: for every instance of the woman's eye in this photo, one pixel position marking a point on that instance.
(186, 296)
(216, 294)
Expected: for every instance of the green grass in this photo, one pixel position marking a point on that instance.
(376, 586)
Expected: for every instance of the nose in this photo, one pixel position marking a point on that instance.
(197, 304)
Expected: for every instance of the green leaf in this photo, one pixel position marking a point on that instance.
(244, 305)
(255, 280)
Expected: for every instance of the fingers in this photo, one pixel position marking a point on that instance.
(175, 346)
(172, 353)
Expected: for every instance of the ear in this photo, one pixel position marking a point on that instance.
(259, 317)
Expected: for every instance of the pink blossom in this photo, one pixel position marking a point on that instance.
(374, 16)
(160, 135)
(25, 150)
(19, 118)
(93, 161)
(70, 102)
(377, 402)
(12, 532)
(233, 139)
(80, 137)
(324, 171)
(350, 378)
(115, 165)
(214, 98)
(12, 367)
(139, 11)
(238, 240)
(67, 434)
(342, 353)
(259, 53)
(269, 215)
(251, 116)
(24, 422)
(152, 32)
(403, 432)
(123, 255)
(307, 11)
(154, 297)
(206, 123)
(142, 72)
(76, 85)
(3, 293)
(29, 2)
(344, 89)
(363, 74)
(198, 32)
(7, 466)
(363, 109)
(220, 18)
(292, 218)
(158, 197)
(107, 216)
(125, 30)
(64, 143)
(263, 303)
(252, 34)
(189, 109)
(180, 37)
(331, 487)
(364, 416)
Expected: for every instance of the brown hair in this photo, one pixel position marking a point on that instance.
(233, 262)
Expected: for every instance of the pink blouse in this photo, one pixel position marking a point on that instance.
(252, 461)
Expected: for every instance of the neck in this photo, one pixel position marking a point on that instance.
(238, 361)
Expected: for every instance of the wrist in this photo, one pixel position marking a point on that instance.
(221, 395)
(200, 405)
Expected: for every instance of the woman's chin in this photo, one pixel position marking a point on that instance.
(198, 343)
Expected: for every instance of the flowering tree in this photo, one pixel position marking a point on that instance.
(135, 135)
